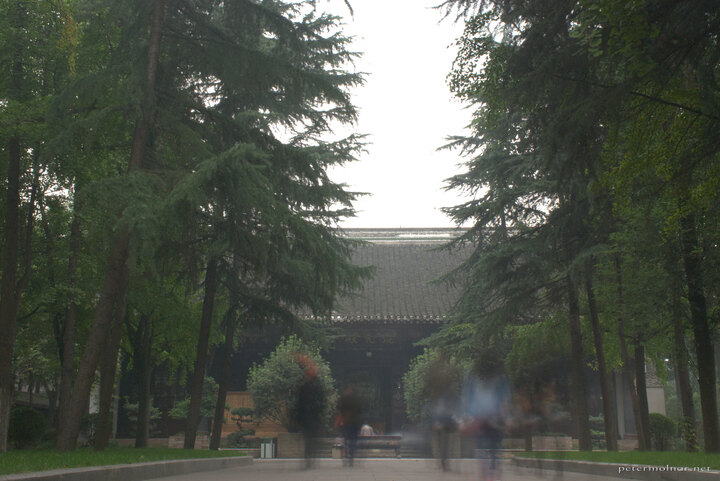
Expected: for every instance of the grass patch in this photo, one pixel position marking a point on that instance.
(653, 458)
(26, 460)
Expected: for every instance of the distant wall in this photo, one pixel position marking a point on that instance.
(263, 428)
(656, 400)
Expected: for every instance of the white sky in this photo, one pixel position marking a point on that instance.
(407, 110)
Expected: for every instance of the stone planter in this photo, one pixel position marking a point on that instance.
(290, 445)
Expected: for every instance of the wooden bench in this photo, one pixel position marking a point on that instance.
(378, 446)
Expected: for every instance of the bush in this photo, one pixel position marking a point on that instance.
(662, 431)
(238, 439)
(131, 409)
(415, 390)
(274, 385)
(207, 404)
(27, 427)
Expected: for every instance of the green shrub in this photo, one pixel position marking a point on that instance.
(274, 384)
(689, 434)
(27, 427)
(238, 439)
(132, 416)
(415, 390)
(207, 404)
(662, 431)
(242, 415)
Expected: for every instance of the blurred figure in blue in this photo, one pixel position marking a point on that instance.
(485, 405)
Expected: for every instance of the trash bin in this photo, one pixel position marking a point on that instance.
(337, 451)
(267, 448)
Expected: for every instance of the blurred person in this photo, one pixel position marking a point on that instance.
(536, 409)
(442, 389)
(486, 409)
(309, 407)
(367, 430)
(348, 422)
(485, 405)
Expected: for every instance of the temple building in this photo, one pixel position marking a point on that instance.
(375, 330)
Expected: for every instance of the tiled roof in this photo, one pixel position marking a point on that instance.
(403, 290)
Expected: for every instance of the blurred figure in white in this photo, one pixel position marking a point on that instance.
(367, 430)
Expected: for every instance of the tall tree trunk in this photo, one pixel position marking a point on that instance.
(115, 283)
(225, 368)
(641, 386)
(606, 385)
(682, 374)
(9, 299)
(577, 365)
(11, 289)
(704, 349)
(627, 362)
(31, 391)
(108, 370)
(143, 358)
(67, 332)
(52, 406)
(196, 387)
(111, 299)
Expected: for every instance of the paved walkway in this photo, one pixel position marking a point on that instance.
(374, 470)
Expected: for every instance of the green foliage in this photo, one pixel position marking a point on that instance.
(416, 392)
(207, 405)
(132, 414)
(238, 439)
(217, 179)
(242, 415)
(662, 431)
(27, 427)
(688, 431)
(274, 384)
(535, 346)
(592, 157)
(413, 382)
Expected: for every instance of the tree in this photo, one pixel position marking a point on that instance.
(35, 50)
(555, 88)
(220, 110)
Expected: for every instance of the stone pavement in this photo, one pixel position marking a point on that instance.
(376, 470)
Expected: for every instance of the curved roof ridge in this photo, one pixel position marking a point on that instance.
(403, 288)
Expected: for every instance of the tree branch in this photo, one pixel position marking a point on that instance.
(642, 95)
